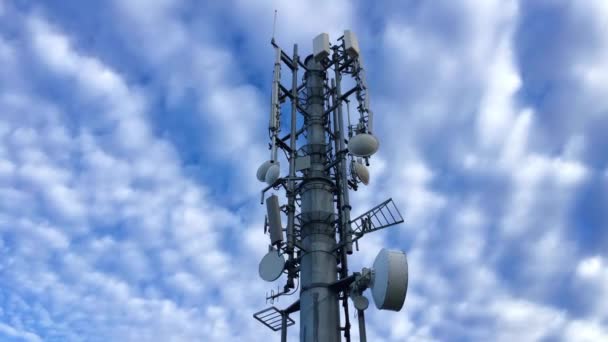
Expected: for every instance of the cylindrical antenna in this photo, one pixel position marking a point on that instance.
(274, 97)
(345, 219)
(274, 219)
(274, 24)
(292, 155)
(350, 130)
(363, 97)
(275, 111)
(370, 114)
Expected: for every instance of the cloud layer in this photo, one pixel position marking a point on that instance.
(129, 207)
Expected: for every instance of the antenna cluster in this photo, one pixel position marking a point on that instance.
(326, 159)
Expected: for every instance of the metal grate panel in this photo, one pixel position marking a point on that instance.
(271, 317)
(381, 216)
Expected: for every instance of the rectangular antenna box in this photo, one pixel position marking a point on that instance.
(320, 47)
(273, 210)
(351, 44)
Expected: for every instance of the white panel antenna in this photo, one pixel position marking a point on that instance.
(351, 44)
(320, 47)
(273, 212)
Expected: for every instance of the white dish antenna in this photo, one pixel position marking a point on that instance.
(363, 145)
(261, 174)
(360, 302)
(271, 266)
(362, 172)
(389, 283)
(273, 173)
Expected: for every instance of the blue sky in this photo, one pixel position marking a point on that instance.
(131, 131)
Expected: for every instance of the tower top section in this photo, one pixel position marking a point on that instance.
(323, 155)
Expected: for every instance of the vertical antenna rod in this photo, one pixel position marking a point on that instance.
(339, 200)
(274, 24)
(291, 184)
(341, 156)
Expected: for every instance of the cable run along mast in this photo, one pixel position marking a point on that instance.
(326, 159)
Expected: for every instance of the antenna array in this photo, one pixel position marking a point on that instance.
(326, 160)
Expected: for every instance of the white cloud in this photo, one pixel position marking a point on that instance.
(592, 68)
(322, 16)
(421, 203)
(496, 112)
(525, 321)
(469, 246)
(7, 53)
(592, 282)
(229, 110)
(533, 175)
(127, 184)
(585, 331)
(516, 142)
(537, 186)
(149, 21)
(11, 332)
(186, 283)
(142, 245)
(590, 268)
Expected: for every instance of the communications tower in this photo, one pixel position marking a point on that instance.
(326, 158)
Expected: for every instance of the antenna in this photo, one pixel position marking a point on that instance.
(326, 161)
(274, 24)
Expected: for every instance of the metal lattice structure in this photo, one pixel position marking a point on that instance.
(379, 217)
(327, 157)
(273, 318)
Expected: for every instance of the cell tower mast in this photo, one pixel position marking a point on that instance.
(322, 170)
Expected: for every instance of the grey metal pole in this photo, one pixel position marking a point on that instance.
(339, 180)
(283, 327)
(291, 184)
(319, 313)
(345, 210)
(362, 333)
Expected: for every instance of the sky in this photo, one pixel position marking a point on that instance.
(130, 133)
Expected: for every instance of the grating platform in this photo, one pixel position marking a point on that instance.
(381, 216)
(272, 317)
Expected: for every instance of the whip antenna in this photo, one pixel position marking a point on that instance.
(274, 24)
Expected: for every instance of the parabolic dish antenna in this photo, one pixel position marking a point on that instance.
(389, 285)
(362, 172)
(363, 145)
(360, 302)
(261, 174)
(271, 266)
(273, 173)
